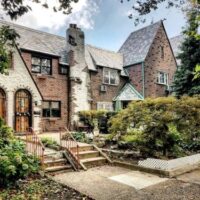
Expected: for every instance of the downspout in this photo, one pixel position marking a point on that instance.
(143, 81)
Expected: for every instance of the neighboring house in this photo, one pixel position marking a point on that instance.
(72, 76)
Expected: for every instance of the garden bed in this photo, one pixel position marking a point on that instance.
(39, 188)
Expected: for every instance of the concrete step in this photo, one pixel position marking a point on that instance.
(58, 168)
(92, 162)
(52, 162)
(88, 154)
(83, 148)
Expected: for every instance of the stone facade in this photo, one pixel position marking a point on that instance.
(20, 78)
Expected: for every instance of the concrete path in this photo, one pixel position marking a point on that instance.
(107, 182)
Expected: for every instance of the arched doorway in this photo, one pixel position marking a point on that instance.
(2, 104)
(23, 110)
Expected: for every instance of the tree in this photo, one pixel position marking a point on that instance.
(185, 79)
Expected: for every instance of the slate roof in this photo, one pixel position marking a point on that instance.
(39, 41)
(136, 47)
(101, 57)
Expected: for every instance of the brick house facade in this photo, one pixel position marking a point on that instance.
(72, 76)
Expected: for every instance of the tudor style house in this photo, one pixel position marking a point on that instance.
(53, 78)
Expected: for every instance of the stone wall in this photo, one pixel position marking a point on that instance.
(19, 78)
(53, 87)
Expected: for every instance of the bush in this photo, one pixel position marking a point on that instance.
(102, 116)
(50, 143)
(165, 124)
(14, 162)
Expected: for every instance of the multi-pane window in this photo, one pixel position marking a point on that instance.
(110, 76)
(162, 78)
(41, 65)
(105, 106)
(51, 109)
(63, 69)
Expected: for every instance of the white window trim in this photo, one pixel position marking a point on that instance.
(102, 106)
(117, 78)
(166, 78)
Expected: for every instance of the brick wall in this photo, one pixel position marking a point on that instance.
(135, 75)
(53, 87)
(154, 63)
(96, 82)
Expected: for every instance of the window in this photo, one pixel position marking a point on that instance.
(105, 106)
(162, 52)
(162, 78)
(51, 109)
(63, 69)
(41, 65)
(110, 76)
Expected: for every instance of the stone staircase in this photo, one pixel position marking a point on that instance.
(90, 156)
(55, 162)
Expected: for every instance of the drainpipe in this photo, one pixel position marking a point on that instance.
(143, 80)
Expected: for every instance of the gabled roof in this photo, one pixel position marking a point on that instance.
(101, 57)
(136, 47)
(34, 40)
(128, 93)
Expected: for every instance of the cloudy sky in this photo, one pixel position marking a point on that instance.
(105, 22)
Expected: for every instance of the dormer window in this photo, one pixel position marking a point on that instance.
(110, 76)
(41, 65)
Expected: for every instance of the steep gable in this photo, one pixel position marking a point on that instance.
(136, 47)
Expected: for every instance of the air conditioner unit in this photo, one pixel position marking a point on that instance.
(103, 88)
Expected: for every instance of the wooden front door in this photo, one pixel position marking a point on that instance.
(2, 104)
(23, 108)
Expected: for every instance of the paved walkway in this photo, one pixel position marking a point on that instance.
(116, 183)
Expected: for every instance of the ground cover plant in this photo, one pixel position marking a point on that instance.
(50, 143)
(38, 188)
(15, 163)
(159, 127)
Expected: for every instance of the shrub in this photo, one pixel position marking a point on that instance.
(14, 162)
(166, 123)
(50, 143)
(102, 116)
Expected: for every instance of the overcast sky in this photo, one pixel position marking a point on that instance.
(105, 22)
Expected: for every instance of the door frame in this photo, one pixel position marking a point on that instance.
(30, 106)
(4, 104)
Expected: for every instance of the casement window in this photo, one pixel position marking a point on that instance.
(110, 76)
(51, 109)
(41, 65)
(63, 69)
(105, 106)
(162, 78)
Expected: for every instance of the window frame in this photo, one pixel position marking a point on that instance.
(110, 77)
(50, 109)
(41, 57)
(166, 78)
(103, 103)
(60, 66)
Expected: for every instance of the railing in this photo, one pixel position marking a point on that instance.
(34, 145)
(67, 141)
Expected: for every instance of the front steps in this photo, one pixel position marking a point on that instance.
(90, 156)
(54, 162)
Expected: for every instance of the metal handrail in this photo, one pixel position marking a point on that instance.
(70, 144)
(34, 145)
